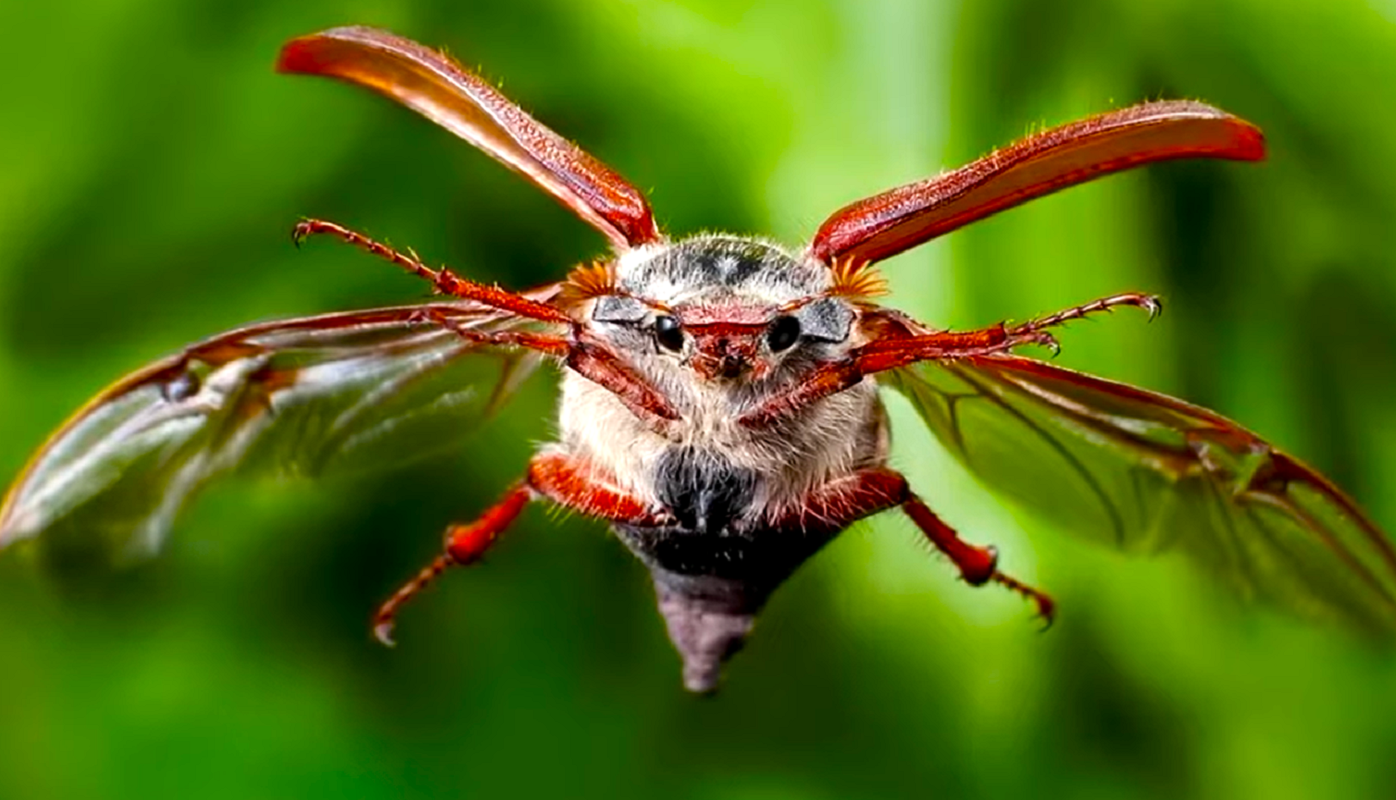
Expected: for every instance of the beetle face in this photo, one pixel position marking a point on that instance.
(728, 310)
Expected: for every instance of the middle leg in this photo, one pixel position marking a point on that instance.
(465, 545)
(555, 476)
(867, 492)
(978, 565)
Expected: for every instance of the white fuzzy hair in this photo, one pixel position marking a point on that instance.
(828, 440)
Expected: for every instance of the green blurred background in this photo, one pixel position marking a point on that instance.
(153, 166)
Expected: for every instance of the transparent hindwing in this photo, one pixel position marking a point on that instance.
(1145, 472)
(348, 391)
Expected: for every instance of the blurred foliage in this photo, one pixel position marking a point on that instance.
(154, 166)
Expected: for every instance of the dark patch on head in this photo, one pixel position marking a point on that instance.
(827, 320)
(726, 261)
(729, 266)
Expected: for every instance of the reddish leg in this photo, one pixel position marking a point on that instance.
(901, 347)
(465, 544)
(593, 360)
(862, 494)
(548, 344)
(577, 486)
(1148, 302)
(880, 355)
(840, 503)
(978, 565)
(444, 280)
(559, 478)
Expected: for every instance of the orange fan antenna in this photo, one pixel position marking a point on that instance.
(595, 279)
(857, 279)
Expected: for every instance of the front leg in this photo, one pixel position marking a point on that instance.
(599, 364)
(900, 343)
(880, 355)
(591, 359)
(442, 280)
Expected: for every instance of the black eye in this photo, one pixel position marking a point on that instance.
(784, 332)
(668, 333)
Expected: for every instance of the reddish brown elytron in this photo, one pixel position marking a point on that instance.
(720, 401)
(890, 222)
(433, 85)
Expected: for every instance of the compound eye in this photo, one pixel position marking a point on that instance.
(668, 333)
(784, 332)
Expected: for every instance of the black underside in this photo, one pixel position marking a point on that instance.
(743, 567)
(714, 543)
(715, 569)
(711, 584)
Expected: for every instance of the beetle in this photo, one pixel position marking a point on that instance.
(720, 397)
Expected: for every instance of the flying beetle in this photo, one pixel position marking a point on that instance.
(720, 395)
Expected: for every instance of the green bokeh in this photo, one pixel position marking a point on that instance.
(153, 166)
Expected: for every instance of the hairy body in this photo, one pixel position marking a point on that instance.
(733, 496)
(820, 444)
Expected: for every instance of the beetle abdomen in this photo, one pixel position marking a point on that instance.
(715, 569)
(710, 585)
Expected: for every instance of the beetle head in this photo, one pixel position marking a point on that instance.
(730, 310)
